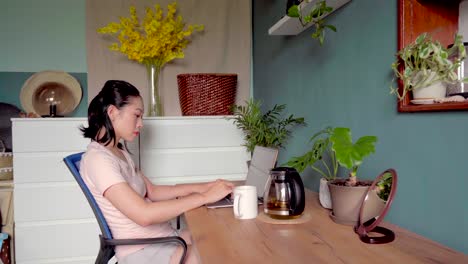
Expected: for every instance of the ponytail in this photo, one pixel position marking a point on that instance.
(116, 93)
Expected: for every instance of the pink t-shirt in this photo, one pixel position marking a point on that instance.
(100, 170)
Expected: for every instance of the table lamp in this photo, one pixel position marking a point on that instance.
(50, 94)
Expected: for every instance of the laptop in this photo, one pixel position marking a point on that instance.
(263, 160)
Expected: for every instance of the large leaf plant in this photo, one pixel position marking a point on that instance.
(320, 157)
(348, 154)
(336, 143)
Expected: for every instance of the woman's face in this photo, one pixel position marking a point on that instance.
(127, 120)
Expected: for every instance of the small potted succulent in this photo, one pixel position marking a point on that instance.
(269, 129)
(425, 66)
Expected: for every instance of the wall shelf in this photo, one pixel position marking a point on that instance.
(291, 25)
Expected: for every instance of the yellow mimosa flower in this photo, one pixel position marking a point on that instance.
(157, 40)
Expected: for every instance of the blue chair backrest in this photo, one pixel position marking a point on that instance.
(73, 164)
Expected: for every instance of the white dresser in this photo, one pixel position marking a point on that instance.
(53, 221)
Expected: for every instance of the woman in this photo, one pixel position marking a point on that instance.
(131, 204)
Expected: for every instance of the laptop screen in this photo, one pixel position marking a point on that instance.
(263, 160)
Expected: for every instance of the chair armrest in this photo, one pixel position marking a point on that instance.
(156, 240)
(140, 241)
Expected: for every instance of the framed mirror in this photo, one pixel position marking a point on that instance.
(374, 207)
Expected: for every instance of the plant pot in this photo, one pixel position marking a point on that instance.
(346, 201)
(324, 194)
(433, 91)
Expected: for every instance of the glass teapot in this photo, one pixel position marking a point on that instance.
(284, 196)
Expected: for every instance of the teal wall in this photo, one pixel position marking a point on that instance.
(346, 83)
(42, 35)
(38, 36)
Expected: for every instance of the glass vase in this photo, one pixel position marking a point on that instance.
(155, 107)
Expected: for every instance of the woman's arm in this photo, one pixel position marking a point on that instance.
(145, 213)
(168, 192)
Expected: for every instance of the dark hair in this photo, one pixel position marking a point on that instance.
(116, 93)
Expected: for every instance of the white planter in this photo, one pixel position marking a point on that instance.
(434, 91)
(324, 194)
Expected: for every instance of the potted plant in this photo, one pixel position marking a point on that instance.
(269, 129)
(425, 66)
(347, 195)
(321, 158)
(153, 41)
(315, 16)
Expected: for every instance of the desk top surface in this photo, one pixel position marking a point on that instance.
(220, 238)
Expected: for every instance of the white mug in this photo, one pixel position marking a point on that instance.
(245, 202)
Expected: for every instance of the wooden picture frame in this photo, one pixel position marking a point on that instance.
(438, 18)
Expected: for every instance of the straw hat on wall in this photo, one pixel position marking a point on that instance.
(50, 87)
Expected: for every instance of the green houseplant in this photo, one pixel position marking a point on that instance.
(314, 16)
(346, 194)
(269, 129)
(321, 158)
(384, 186)
(426, 62)
(350, 155)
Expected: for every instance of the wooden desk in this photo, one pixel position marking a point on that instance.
(220, 238)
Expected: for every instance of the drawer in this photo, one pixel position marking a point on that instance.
(56, 240)
(48, 134)
(190, 133)
(53, 201)
(174, 163)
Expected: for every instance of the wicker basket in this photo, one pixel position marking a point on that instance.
(6, 174)
(206, 93)
(6, 158)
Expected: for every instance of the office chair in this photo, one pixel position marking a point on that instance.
(107, 243)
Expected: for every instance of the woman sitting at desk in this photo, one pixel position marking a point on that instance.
(131, 204)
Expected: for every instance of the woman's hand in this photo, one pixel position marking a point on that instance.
(217, 190)
(212, 183)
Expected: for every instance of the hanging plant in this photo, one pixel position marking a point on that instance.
(316, 17)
